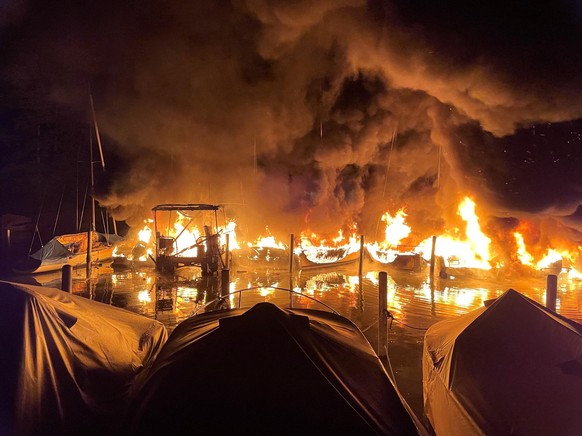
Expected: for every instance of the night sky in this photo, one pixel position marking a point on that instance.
(325, 111)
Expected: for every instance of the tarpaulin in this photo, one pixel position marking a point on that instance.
(267, 370)
(513, 367)
(67, 363)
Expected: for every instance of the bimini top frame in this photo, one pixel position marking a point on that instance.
(167, 259)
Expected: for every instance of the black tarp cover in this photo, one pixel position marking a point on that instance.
(67, 362)
(513, 367)
(267, 370)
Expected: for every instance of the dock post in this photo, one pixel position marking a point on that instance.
(361, 262)
(67, 278)
(6, 246)
(224, 282)
(551, 291)
(227, 253)
(291, 249)
(432, 260)
(382, 306)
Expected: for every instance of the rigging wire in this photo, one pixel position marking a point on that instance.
(83, 209)
(36, 230)
(58, 212)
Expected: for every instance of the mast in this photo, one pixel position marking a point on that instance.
(92, 193)
(92, 196)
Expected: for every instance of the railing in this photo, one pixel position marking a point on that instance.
(224, 298)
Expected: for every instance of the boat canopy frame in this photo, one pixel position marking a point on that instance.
(168, 263)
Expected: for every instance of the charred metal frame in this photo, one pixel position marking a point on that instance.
(208, 257)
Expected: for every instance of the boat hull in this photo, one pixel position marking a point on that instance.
(33, 266)
(345, 260)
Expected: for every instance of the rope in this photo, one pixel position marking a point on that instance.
(370, 326)
(389, 315)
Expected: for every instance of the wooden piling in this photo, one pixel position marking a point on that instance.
(382, 307)
(432, 258)
(67, 278)
(291, 248)
(224, 282)
(361, 261)
(227, 253)
(551, 291)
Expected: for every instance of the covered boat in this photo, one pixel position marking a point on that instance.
(267, 370)
(67, 363)
(513, 367)
(70, 249)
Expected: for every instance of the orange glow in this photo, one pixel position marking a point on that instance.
(522, 253)
(470, 250)
(319, 249)
(232, 239)
(396, 228)
(267, 241)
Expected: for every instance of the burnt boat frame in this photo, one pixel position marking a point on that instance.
(208, 257)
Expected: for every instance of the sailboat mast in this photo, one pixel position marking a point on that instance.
(92, 197)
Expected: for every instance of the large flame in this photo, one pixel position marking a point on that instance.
(396, 231)
(462, 250)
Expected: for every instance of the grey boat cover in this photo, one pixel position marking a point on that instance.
(267, 370)
(61, 247)
(66, 362)
(513, 367)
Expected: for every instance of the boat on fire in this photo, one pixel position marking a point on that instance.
(325, 257)
(267, 370)
(392, 259)
(69, 249)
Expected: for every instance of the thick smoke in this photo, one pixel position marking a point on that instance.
(313, 113)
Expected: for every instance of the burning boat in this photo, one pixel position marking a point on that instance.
(183, 244)
(338, 251)
(268, 370)
(263, 253)
(393, 259)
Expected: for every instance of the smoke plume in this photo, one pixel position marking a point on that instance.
(318, 113)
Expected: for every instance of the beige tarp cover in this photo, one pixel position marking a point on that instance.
(513, 367)
(67, 363)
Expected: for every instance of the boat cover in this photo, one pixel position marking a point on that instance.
(67, 362)
(267, 370)
(64, 246)
(513, 367)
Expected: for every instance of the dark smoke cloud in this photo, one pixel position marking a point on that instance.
(325, 111)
